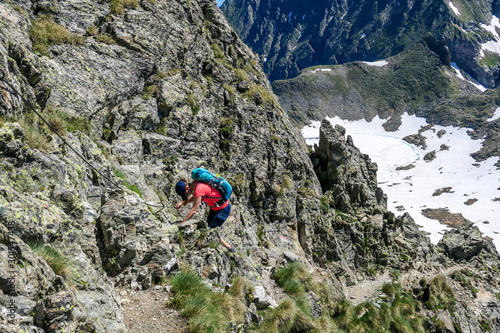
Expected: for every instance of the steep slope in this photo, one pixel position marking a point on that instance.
(292, 35)
(166, 87)
(141, 93)
(416, 81)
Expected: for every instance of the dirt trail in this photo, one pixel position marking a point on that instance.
(364, 290)
(146, 312)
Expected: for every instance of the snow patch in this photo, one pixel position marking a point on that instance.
(321, 70)
(455, 9)
(376, 63)
(412, 190)
(473, 82)
(494, 45)
(495, 22)
(457, 70)
(496, 115)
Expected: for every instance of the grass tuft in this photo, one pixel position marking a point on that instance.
(105, 38)
(55, 259)
(46, 32)
(37, 133)
(34, 135)
(117, 7)
(291, 278)
(441, 295)
(126, 183)
(396, 316)
(63, 122)
(264, 94)
(241, 288)
(281, 319)
(217, 50)
(208, 311)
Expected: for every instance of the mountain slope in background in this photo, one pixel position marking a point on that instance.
(416, 81)
(292, 35)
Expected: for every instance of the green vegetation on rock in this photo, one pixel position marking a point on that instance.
(464, 277)
(490, 59)
(45, 32)
(55, 259)
(126, 183)
(216, 49)
(64, 122)
(105, 38)
(117, 7)
(263, 93)
(37, 133)
(208, 311)
(287, 317)
(441, 296)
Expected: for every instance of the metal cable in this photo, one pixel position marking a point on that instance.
(3, 79)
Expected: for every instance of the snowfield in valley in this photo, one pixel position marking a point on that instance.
(415, 189)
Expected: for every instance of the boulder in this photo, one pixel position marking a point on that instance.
(465, 243)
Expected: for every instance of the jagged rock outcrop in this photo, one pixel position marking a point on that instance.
(465, 243)
(354, 213)
(476, 282)
(342, 168)
(144, 94)
(292, 35)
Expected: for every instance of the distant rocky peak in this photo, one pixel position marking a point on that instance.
(292, 35)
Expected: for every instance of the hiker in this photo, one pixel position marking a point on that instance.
(195, 193)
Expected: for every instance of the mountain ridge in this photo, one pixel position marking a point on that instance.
(158, 88)
(416, 81)
(290, 36)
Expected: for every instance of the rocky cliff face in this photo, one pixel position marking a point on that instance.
(292, 35)
(144, 92)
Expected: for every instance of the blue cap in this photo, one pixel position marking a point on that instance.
(180, 189)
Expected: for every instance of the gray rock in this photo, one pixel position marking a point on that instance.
(170, 265)
(465, 243)
(55, 309)
(340, 165)
(314, 301)
(261, 299)
(291, 257)
(430, 156)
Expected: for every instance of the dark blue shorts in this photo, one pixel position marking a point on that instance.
(216, 218)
